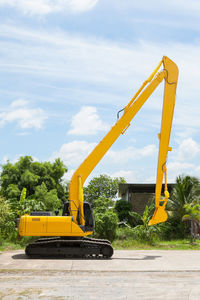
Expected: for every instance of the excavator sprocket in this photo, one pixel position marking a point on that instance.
(70, 248)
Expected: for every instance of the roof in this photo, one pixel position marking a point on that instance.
(141, 187)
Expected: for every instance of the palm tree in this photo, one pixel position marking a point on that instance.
(186, 191)
(193, 215)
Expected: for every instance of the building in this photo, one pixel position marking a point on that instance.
(140, 195)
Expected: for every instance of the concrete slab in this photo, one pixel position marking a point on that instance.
(122, 261)
(147, 275)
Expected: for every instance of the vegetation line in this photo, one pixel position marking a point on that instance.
(28, 186)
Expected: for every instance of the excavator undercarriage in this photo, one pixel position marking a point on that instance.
(72, 247)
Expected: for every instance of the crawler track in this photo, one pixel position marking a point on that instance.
(61, 247)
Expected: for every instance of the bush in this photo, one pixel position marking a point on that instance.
(126, 233)
(102, 204)
(106, 225)
(30, 205)
(148, 234)
(19, 241)
(139, 233)
(144, 232)
(49, 199)
(173, 229)
(123, 207)
(7, 219)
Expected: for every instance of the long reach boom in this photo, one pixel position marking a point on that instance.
(170, 75)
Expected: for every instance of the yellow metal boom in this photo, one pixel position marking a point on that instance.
(170, 75)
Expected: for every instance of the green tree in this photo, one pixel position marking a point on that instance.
(192, 215)
(102, 186)
(105, 218)
(26, 205)
(7, 224)
(12, 193)
(30, 205)
(102, 204)
(43, 182)
(29, 180)
(100, 192)
(106, 225)
(123, 207)
(49, 199)
(186, 190)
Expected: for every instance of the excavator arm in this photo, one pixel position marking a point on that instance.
(170, 75)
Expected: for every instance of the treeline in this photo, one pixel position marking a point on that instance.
(183, 210)
(45, 190)
(28, 186)
(115, 220)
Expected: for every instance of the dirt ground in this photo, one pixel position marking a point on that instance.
(128, 275)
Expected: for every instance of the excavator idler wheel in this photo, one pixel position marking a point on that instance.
(107, 252)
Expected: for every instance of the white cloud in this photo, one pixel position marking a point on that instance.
(73, 153)
(16, 158)
(19, 103)
(198, 170)
(102, 62)
(188, 149)
(91, 60)
(177, 168)
(4, 159)
(87, 122)
(130, 153)
(179, 7)
(44, 7)
(184, 159)
(67, 176)
(185, 133)
(129, 176)
(29, 7)
(80, 5)
(20, 112)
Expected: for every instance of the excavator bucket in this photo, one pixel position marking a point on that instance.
(159, 215)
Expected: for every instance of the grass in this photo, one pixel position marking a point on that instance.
(129, 244)
(6, 246)
(126, 239)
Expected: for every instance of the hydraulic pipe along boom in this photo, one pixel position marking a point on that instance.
(170, 75)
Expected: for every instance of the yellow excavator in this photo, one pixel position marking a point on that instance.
(66, 235)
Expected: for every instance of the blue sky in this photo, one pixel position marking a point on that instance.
(68, 66)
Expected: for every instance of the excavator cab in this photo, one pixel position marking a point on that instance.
(88, 216)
